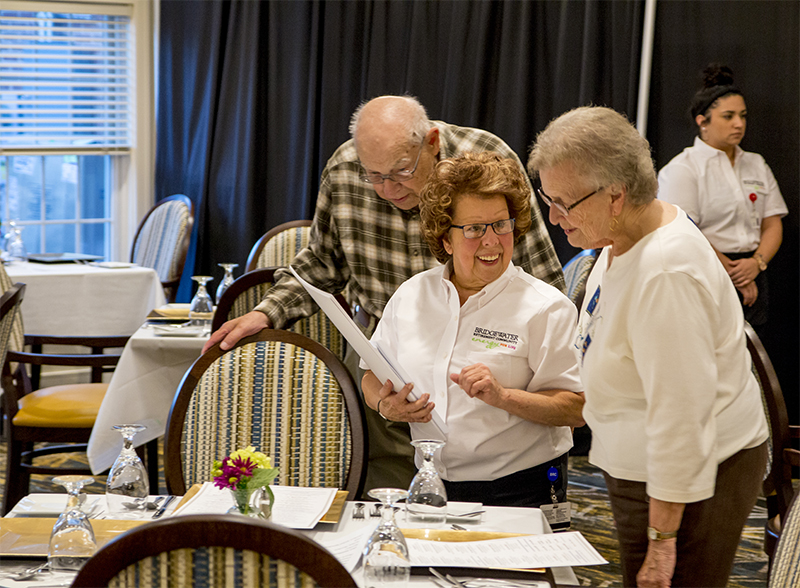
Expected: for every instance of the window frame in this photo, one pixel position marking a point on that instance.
(132, 178)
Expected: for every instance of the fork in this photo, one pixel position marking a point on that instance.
(376, 510)
(358, 513)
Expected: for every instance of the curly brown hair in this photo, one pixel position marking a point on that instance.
(477, 174)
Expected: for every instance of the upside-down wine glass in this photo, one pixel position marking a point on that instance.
(201, 310)
(227, 280)
(427, 497)
(72, 540)
(127, 487)
(386, 560)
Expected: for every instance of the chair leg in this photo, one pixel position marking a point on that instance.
(17, 477)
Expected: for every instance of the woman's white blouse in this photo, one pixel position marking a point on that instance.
(727, 202)
(521, 328)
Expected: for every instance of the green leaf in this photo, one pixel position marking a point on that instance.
(262, 477)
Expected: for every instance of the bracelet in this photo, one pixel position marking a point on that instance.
(379, 409)
(762, 265)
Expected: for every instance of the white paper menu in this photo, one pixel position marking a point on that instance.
(383, 366)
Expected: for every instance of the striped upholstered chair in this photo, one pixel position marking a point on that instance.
(786, 563)
(576, 272)
(279, 245)
(280, 392)
(162, 240)
(247, 291)
(213, 550)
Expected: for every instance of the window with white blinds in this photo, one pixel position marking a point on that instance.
(66, 77)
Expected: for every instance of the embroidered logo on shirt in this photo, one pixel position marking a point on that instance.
(492, 339)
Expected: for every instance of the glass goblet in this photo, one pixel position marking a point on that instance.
(427, 497)
(227, 280)
(72, 540)
(201, 309)
(386, 561)
(127, 487)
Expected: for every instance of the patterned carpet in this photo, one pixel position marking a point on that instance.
(591, 516)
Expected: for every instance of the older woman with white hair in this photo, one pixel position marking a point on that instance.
(675, 412)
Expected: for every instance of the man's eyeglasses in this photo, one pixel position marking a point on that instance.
(399, 176)
(563, 209)
(478, 230)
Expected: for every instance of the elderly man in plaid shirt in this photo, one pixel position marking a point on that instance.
(365, 241)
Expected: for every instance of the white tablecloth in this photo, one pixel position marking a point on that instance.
(141, 391)
(505, 519)
(76, 299)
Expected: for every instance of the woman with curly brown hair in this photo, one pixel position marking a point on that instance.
(487, 345)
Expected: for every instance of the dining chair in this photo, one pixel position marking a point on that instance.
(213, 550)
(576, 272)
(279, 392)
(246, 292)
(778, 486)
(162, 240)
(278, 246)
(785, 568)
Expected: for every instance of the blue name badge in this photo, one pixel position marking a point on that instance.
(552, 473)
(593, 302)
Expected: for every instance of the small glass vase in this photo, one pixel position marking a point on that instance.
(253, 503)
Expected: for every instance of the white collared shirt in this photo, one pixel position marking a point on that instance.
(727, 202)
(519, 327)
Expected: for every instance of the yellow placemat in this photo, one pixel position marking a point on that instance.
(30, 536)
(332, 516)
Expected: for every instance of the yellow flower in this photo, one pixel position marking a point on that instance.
(258, 458)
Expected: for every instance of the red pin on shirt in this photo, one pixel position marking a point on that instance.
(753, 197)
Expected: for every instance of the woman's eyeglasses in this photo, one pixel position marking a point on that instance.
(562, 208)
(478, 230)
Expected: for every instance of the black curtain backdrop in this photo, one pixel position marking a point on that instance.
(760, 41)
(255, 96)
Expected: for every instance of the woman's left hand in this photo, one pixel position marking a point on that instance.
(743, 271)
(659, 564)
(478, 382)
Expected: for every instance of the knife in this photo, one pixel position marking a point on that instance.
(164, 506)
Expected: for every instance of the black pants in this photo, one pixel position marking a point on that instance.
(757, 314)
(529, 487)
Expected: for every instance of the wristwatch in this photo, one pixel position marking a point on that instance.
(656, 535)
(762, 265)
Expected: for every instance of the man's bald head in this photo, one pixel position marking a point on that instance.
(393, 119)
(393, 134)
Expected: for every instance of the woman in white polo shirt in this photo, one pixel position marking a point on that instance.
(485, 344)
(729, 193)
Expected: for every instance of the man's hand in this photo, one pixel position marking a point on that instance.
(478, 382)
(659, 564)
(395, 406)
(231, 332)
(743, 271)
(749, 293)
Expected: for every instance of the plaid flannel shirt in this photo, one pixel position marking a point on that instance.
(366, 247)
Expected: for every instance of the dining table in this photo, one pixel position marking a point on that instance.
(493, 519)
(142, 388)
(86, 299)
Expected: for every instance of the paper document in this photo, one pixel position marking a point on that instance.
(348, 548)
(529, 551)
(383, 366)
(295, 507)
